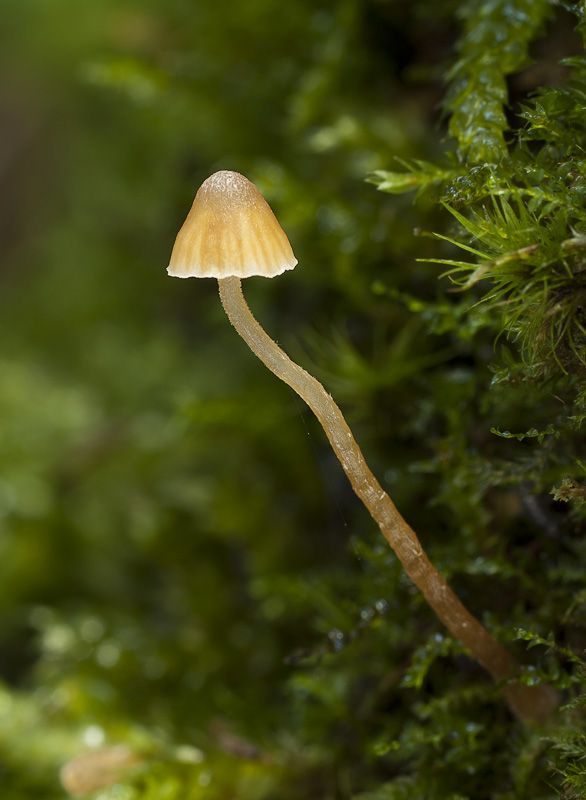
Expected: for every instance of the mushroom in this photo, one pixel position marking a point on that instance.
(231, 233)
(97, 769)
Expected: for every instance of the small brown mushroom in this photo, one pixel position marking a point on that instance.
(97, 769)
(231, 233)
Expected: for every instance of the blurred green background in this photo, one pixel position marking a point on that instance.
(183, 567)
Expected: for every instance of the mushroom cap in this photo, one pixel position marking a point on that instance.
(230, 231)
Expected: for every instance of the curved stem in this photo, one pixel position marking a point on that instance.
(529, 703)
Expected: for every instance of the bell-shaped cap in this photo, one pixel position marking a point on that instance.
(230, 231)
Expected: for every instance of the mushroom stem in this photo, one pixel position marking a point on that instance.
(531, 704)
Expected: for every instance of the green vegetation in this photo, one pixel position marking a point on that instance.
(185, 570)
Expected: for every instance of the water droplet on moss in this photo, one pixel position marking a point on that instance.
(337, 639)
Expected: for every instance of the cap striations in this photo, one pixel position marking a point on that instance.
(230, 231)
